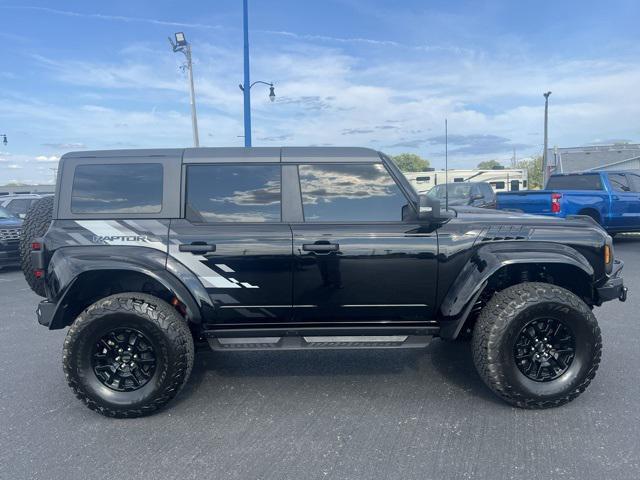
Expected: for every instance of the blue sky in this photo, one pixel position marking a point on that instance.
(98, 75)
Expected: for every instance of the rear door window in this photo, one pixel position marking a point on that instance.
(117, 188)
(635, 182)
(233, 193)
(575, 182)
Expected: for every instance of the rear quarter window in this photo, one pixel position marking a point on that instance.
(117, 188)
(575, 182)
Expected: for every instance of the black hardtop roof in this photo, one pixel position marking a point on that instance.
(240, 154)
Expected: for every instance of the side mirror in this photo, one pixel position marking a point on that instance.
(22, 215)
(428, 208)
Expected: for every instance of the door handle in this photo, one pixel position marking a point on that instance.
(320, 247)
(197, 247)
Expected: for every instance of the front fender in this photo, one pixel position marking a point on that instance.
(68, 267)
(486, 261)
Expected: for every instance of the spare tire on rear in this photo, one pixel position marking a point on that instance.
(36, 224)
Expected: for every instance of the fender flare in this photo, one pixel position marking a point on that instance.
(70, 264)
(485, 262)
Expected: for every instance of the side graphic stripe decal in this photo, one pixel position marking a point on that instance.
(196, 263)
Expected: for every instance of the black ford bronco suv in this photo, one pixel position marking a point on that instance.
(144, 254)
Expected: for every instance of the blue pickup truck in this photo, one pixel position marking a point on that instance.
(611, 198)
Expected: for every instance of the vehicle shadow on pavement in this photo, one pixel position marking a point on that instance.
(433, 370)
(454, 363)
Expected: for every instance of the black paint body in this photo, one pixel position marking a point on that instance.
(292, 274)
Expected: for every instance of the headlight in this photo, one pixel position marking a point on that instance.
(607, 251)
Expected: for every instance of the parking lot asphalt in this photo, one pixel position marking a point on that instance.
(315, 415)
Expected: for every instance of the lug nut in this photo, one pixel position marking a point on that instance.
(120, 350)
(123, 365)
(117, 359)
(135, 355)
(129, 348)
(110, 343)
(132, 364)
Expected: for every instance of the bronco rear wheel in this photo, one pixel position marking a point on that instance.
(537, 345)
(127, 355)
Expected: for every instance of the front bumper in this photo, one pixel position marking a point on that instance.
(614, 287)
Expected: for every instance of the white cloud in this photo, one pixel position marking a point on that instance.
(329, 94)
(117, 18)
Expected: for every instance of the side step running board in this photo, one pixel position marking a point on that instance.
(318, 342)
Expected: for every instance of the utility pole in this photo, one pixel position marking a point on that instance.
(545, 165)
(181, 45)
(247, 76)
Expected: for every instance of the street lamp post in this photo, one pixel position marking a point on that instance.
(545, 165)
(181, 45)
(247, 75)
(247, 78)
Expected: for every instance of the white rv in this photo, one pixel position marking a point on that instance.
(501, 180)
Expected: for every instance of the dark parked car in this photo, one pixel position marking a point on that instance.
(150, 252)
(474, 194)
(10, 229)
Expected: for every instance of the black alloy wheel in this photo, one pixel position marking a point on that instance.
(128, 355)
(544, 349)
(124, 360)
(536, 345)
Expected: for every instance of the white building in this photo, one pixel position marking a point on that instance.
(502, 180)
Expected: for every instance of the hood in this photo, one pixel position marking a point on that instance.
(10, 222)
(507, 217)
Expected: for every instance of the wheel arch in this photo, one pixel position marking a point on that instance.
(79, 276)
(91, 285)
(494, 267)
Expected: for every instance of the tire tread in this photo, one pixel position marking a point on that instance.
(153, 309)
(493, 323)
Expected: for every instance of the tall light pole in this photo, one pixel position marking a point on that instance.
(247, 78)
(181, 45)
(247, 75)
(546, 139)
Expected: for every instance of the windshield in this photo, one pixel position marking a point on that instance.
(5, 213)
(456, 191)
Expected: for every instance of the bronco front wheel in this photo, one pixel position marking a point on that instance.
(127, 355)
(537, 345)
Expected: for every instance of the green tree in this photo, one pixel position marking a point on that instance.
(489, 164)
(410, 162)
(533, 166)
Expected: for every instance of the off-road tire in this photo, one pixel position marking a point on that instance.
(36, 224)
(156, 319)
(501, 321)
